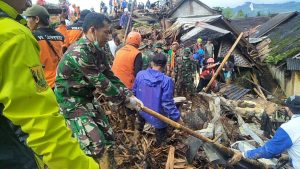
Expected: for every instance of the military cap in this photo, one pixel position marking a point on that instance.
(37, 10)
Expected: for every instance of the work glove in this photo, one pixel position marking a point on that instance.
(134, 104)
(237, 156)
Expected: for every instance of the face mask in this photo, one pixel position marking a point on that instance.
(95, 42)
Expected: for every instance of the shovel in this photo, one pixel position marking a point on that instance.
(227, 151)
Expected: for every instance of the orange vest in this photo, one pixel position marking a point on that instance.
(75, 32)
(123, 66)
(63, 30)
(48, 57)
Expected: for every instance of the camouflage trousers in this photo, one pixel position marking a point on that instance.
(185, 86)
(93, 133)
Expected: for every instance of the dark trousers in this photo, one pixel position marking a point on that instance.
(13, 153)
(203, 83)
(160, 134)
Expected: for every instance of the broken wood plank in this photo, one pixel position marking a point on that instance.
(170, 161)
(255, 80)
(259, 94)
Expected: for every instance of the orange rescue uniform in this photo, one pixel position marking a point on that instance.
(63, 30)
(51, 43)
(75, 32)
(123, 66)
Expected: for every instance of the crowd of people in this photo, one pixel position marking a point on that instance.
(52, 79)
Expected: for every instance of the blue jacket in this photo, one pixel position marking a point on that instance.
(124, 19)
(287, 137)
(124, 4)
(156, 90)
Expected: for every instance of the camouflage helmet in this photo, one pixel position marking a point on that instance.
(187, 51)
(159, 45)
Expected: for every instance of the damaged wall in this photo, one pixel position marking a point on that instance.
(239, 58)
(289, 84)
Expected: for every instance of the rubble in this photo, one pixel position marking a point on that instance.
(218, 118)
(233, 117)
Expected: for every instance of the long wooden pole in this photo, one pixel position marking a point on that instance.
(128, 23)
(223, 62)
(224, 149)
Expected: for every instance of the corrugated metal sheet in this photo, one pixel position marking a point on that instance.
(233, 92)
(273, 23)
(293, 64)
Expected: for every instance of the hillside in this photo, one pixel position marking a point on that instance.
(264, 9)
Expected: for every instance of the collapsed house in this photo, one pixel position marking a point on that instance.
(277, 42)
(206, 23)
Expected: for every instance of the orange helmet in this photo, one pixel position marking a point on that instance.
(134, 38)
(210, 60)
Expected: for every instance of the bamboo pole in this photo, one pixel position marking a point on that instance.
(223, 62)
(221, 147)
(128, 23)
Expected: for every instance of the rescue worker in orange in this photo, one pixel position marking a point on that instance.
(128, 62)
(75, 30)
(62, 28)
(171, 59)
(50, 41)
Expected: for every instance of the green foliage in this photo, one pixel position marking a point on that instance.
(227, 13)
(282, 49)
(240, 14)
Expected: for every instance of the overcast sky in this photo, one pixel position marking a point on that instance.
(87, 4)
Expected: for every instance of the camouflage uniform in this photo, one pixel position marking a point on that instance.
(108, 54)
(184, 69)
(147, 53)
(82, 73)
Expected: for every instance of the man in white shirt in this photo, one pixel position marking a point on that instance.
(114, 43)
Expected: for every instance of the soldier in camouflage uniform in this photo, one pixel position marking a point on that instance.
(82, 75)
(184, 69)
(146, 54)
(109, 55)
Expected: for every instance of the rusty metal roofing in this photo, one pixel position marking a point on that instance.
(293, 64)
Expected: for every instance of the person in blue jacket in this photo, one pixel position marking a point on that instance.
(156, 90)
(199, 57)
(286, 138)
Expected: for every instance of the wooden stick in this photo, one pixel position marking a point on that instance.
(223, 62)
(170, 161)
(259, 94)
(128, 23)
(255, 80)
(221, 147)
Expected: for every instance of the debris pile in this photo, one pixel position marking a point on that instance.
(242, 124)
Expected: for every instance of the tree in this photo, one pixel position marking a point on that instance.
(227, 12)
(258, 13)
(240, 14)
